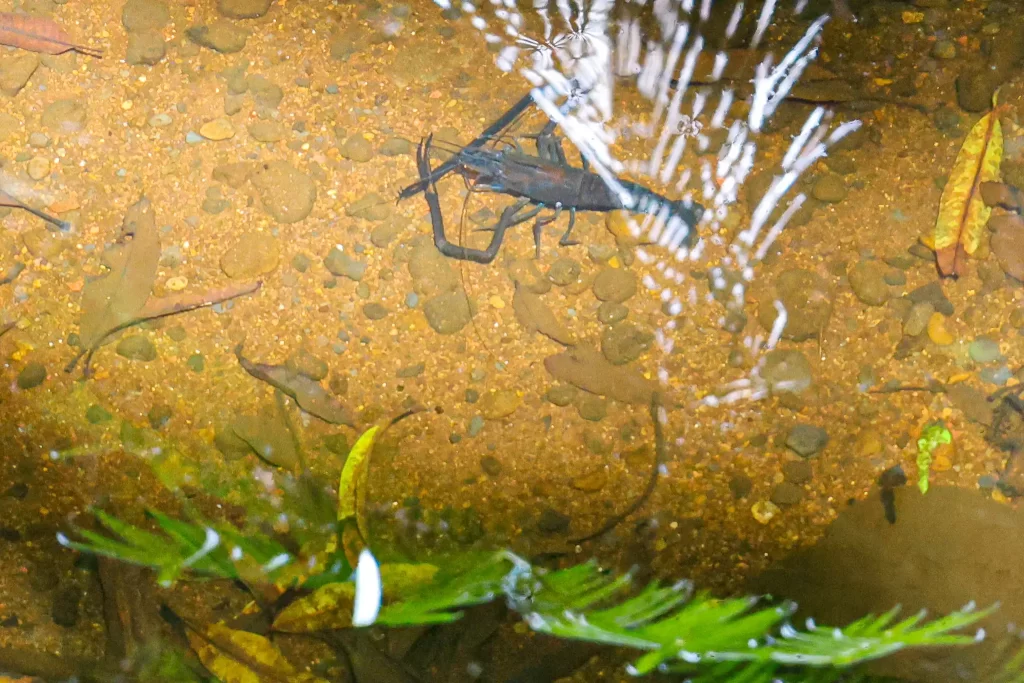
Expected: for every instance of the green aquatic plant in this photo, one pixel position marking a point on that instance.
(316, 586)
(932, 436)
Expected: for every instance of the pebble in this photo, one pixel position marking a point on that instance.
(218, 129)
(592, 408)
(233, 175)
(806, 440)
(370, 206)
(564, 271)
(495, 405)
(764, 511)
(196, 362)
(740, 485)
(145, 48)
(384, 234)
(561, 394)
(829, 188)
(984, 350)
(797, 472)
(287, 194)
(221, 36)
(32, 375)
(136, 347)
(394, 147)
(411, 300)
(614, 284)
(476, 425)
(610, 312)
(410, 371)
(490, 465)
(869, 443)
(552, 521)
(917, 318)
(243, 9)
(932, 293)
(944, 49)
(867, 280)
(193, 138)
(375, 311)
(807, 298)
(937, 331)
(65, 609)
(787, 494)
(998, 376)
(266, 131)
(624, 342)
(159, 120)
(38, 168)
(448, 313)
(266, 93)
(356, 148)
(176, 283)
(254, 254)
(339, 263)
(145, 15)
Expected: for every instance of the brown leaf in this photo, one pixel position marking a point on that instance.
(587, 369)
(39, 34)
(308, 393)
(110, 301)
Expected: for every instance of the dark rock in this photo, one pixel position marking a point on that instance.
(65, 606)
(740, 485)
(32, 375)
(552, 521)
(806, 440)
(787, 494)
(490, 465)
(807, 298)
(797, 471)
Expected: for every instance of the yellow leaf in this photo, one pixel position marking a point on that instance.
(352, 488)
(330, 606)
(242, 657)
(960, 225)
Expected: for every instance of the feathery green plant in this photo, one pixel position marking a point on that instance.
(676, 629)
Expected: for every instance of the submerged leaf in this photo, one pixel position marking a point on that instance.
(308, 393)
(352, 493)
(39, 34)
(242, 657)
(119, 296)
(960, 225)
(268, 438)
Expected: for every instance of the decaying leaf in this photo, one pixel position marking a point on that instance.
(39, 34)
(117, 297)
(268, 439)
(330, 606)
(534, 315)
(586, 368)
(242, 657)
(960, 225)
(308, 393)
